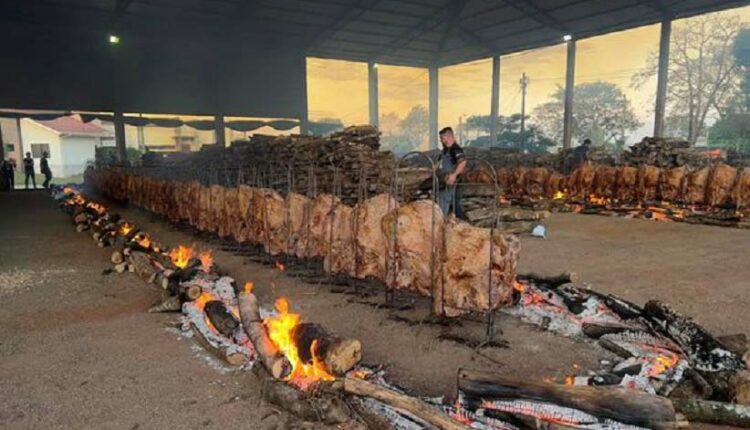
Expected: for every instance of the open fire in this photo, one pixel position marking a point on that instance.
(207, 260)
(181, 256)
(281, 332)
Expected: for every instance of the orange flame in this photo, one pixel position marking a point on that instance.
(126, 228)
(280, 329)
(76, 200)
(559, 195)
(207, 260)
(596, 200)
(143, 240)
(201, 301)
(570, 380)
(663, 363)
(280, 266)
(248, 287)
(97, 208)
(181, 256)
(68, 190)
(519, 287)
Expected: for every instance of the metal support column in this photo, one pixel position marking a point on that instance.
(304, 120)
(433, 110)
(495, 98)
(219, 130)
(122, 153)
(372, 87)
(662, 76)
(570, 73)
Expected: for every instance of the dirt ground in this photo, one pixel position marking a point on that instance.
(78, 349)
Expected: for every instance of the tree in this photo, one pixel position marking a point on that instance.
(703, 74)
(325, 126)
(601, 112)
(509, 134)
(415, 127)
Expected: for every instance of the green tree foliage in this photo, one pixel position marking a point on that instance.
(508, 134)
(405, 135)
(703, 74)
(601, 112)
(325, 126)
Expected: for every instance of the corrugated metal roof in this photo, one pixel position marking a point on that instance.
(406, 32)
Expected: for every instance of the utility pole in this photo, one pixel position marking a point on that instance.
(524, 84)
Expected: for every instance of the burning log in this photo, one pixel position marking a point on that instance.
(220, 317)
(615, 403)
(552, 281)
(268, 353)
(413, 405)
(706, 353)
(705, 411)
(339, 355)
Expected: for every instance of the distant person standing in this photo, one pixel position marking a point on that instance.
(451, 165)
(7, 169)
(580, 154)
(44, 167)
(28, 170)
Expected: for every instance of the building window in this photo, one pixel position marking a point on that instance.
(9, 147)
(38, 148)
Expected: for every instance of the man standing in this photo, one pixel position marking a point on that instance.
(580, 154)
(28, 169)
(452, 163)
(44, 167)
(8, 171)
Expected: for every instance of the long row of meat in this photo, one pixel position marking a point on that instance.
(715, 185)
(409, 247)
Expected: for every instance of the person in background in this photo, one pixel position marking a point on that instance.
(7, 169)
(581, 154)
(452, 163)
(28, 169)
(44, 167)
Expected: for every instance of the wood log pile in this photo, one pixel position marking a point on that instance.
(664, 153)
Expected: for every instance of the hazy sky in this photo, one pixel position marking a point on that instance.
(338, 89)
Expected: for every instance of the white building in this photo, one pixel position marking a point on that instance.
(69, 142)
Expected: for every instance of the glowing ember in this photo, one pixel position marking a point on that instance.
(663, 363)
(559, 195)
(126, 228)
(280, 328)
(248, 288)
(97, 208)
(596, 200)
(570, 380)
(143, 240)
(76, 200)
(207, 260)
(280, 266)
(503, 201)
(181, 256)
(201, 301)
(519, 287)
(68, 190)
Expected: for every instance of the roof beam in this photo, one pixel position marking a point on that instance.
(348, 14)
(457, 7)
(424, 26)
(534, 12)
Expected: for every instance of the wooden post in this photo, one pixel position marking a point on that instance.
(122, 153)
(219, 130)
(569, 88)
(495, 98)
(434, 94)
(372, 86)
(662, 77)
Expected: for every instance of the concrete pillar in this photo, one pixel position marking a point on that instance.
(372, 87)
(433, 109)
(219, 130)
(570, 73)
(494, 98)
(122, 153)
(662, 77)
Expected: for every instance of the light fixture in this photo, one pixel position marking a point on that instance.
(567, 38)
(114, 39)
(375, 65)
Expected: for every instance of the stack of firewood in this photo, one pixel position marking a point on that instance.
(663, 152)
